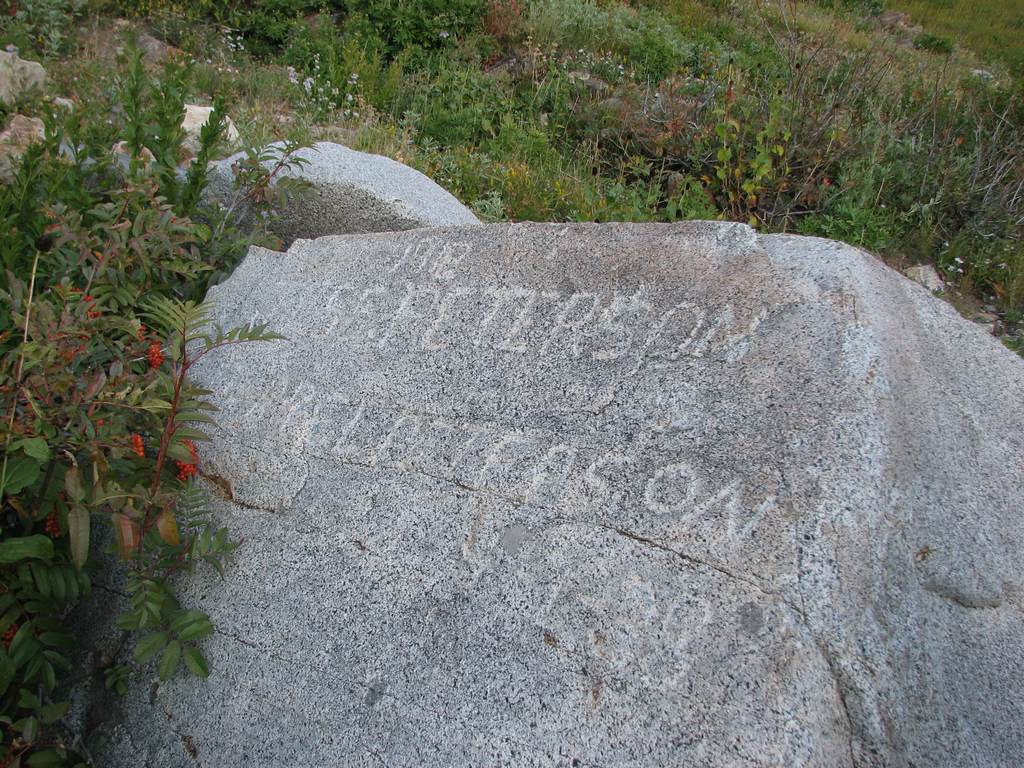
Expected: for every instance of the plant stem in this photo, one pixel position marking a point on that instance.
(165, 440)
(18, 371)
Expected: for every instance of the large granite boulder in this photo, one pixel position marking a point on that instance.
(603, 495)
(349, 192)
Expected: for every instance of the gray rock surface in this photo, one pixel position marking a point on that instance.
(352, 192)
(603, 495)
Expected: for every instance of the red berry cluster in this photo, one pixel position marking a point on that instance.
(52, 526)
(92, 314)
(137, 446)
(9, 635)
(186, 470)
(155, 354)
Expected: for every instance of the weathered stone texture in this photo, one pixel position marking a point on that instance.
(604, 495)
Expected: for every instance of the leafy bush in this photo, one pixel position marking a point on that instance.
(99, 328)
(344, 72)
(427, 24)
(460, 106)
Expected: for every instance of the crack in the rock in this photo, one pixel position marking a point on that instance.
(223, 488)
(835, 671)
(188, 744)
(842, 686)
(225, 485)
(840, 678)
(110, 590)
(955, 596)
(455, 482)
(694, 560)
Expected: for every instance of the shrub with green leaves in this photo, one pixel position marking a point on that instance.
(105, 257)
(426, 24)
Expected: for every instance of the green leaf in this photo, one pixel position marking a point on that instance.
(71, 580)
(21, 473)
(35, 447)
(24, 646)
(27, 699)
(59, 639)
(196, 662)
(7, 670)
(53, 657)
(73, 484)
(128, 620)
(25, 547)
(187, 433)
(150, 645)
(51, 713)
(29, 728)
(56, 582)
(49, 677)
(187, 416)
(179, 452)
(78, 534)
(47, 758)
(41, 574)
(170, 660)
(200, 627)
(184, 618)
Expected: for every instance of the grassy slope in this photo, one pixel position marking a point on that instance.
(993, 29)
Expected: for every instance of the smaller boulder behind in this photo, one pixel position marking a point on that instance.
(350, 192)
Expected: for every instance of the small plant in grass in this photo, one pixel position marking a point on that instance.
(749, 159)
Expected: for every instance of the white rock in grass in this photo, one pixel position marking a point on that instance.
(926, 275)
(195, 118)
(123, 155)
(18, 75)
(21, 133)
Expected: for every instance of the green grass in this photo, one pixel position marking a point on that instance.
(993, 29)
